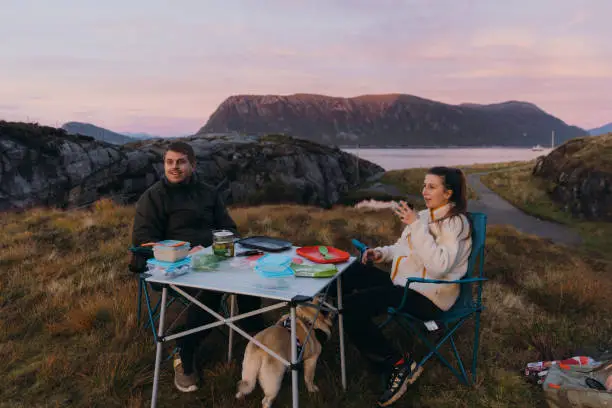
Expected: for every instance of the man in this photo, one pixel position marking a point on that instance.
(181, 207)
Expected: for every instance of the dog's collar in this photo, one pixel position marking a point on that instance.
(319, 334)
(286, 323)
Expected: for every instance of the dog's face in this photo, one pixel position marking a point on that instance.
(324, 320)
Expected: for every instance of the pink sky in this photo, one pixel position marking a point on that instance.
(160, 67)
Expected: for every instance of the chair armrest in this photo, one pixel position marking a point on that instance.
(421, 280)
(359, 245)
(467, 280)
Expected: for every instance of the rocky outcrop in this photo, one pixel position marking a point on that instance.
(389, 120)
(580, 173)
(44, 166)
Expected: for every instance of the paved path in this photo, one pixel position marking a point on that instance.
(499, 211)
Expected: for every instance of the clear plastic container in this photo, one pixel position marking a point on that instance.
(274, 266)
(166, 251)
(177, 268)
(201, 261)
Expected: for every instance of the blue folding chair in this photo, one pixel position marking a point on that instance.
(469, 304)
(154, 310)
(143, 292)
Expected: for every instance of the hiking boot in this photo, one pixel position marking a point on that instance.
(403, 373)
(183, 382)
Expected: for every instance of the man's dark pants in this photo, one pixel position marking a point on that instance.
(196, 317)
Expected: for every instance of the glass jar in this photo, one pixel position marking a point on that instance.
(223, 243)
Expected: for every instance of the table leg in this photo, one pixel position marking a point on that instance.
(158, 355)
(231, 331)
(294, 357)
(341, 332)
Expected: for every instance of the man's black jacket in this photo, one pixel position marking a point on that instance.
(187, 211)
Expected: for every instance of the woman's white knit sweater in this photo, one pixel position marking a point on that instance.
(432, 250)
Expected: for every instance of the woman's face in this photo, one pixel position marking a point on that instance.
(434, 192)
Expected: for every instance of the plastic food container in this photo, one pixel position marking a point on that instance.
(223, 243)
(170, 269)
(166, 251)
(274, 266)
(314, 271)
(201, 261)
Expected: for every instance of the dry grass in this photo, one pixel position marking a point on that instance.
(592, 152)
(410, 181)
(68, 334)
(487, 167)
(531, 195)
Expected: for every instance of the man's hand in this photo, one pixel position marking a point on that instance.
(196, 249)
(372, 255)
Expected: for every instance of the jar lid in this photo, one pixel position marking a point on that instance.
(223, 234)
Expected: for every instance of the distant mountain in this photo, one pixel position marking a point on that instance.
(98, 133)
(142, 136)
(601, 130)
(389, 120)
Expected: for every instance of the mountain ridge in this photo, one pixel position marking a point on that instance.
(602, 130)
(97, 132)
(106, 135)
(392, 119)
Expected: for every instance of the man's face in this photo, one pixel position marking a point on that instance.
(177, 167)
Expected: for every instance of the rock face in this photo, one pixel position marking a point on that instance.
(580, 172)
(389, 120)
(44, 166)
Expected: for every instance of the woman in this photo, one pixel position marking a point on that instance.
(435, 244)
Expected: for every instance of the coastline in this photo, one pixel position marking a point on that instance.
(429, 147)
(406, 158)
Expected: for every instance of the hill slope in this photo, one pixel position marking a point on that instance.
(98, 133)
(389, 120)
(602, 130)
(70, 339)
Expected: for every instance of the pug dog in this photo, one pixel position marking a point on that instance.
(259, 365)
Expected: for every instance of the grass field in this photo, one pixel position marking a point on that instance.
(68, 334)
(531, 195)
(409, 182)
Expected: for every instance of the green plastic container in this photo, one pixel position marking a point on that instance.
(314, 271)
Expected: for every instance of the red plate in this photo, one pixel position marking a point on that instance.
(312, 253)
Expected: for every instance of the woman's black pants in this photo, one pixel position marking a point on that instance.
(368, 292)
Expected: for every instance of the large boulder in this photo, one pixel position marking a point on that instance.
(580, 173)
(44, 166)
(273, 168)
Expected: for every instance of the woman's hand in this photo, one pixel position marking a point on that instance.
(371, 255)
(405, 213)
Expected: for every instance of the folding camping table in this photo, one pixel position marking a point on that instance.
(237, 277)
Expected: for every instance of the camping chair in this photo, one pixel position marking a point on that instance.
(139, 267)
(468, 304)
